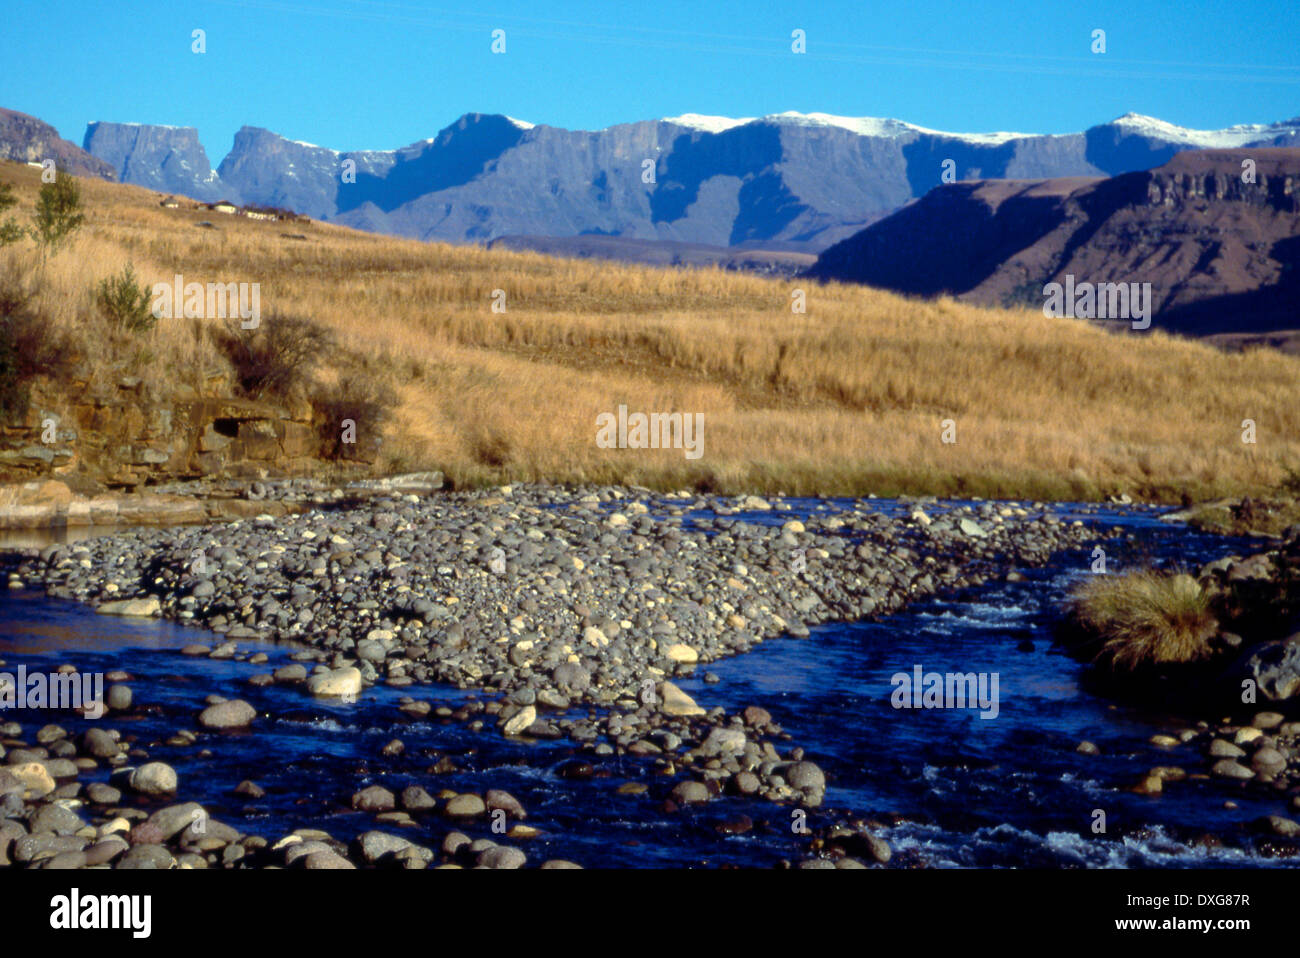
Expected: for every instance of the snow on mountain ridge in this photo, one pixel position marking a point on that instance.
(1227, 138)
(708, 124)
(861, 125)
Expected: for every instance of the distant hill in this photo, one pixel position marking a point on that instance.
(25, 139)
(1222, 254)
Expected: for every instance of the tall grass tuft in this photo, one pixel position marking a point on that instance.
(1142, 618)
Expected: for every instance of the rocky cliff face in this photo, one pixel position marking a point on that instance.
(164, 158)
(127, 439)
(25, 139)
(1220, 248)
(789, 181)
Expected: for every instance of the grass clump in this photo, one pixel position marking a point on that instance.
(124, 302)
(1141, 619)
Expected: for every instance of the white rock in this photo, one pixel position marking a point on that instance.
(339, 682)
(680, 652)
(525, 717)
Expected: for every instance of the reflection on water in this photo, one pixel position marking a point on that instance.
(52, 535)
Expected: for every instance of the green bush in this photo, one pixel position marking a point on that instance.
(125, 303)
(58, 212)
(29, 345)
(10, 231)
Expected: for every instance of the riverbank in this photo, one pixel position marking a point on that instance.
(553, 600)
(52, 505)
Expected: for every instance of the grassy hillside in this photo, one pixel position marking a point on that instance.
(847, 398)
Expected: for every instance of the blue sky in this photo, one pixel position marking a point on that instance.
(365, 74)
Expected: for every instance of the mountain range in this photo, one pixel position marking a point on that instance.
(990, 218)
(791, 182)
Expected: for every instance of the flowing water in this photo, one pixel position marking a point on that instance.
(948, 787)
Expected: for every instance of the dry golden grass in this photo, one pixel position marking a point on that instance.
(845, 399)
(1143, 618)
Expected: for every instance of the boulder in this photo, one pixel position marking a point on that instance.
(153, 778)
(338, 683)
(673, 701)
(235, 713)
(1274, 667)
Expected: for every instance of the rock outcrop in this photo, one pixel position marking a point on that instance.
(164, 158)
(129, 438)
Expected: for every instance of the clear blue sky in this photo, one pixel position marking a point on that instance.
(365, 74)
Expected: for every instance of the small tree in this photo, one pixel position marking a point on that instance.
(58, 212)
(10, 231)
(125, 303)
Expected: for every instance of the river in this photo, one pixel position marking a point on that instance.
(947, 787)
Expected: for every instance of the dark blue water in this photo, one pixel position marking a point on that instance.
(946, 787)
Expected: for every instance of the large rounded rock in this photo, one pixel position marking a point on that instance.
(98, 743)
(673, 701)
(498, 798)
(56, 819)
(376, 798)
(465, 806)
(154, 778)
(339, 683)
(119, 697)
(520, 721)
(32, 778)
(723, 741)
(683, 653)
(233, 714)
(168, 822)
(690, 793)
(147, 856)
(146, 607)
(501, 856)
(326, 859)
(805, 776)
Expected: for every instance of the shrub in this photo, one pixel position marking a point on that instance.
(29, 346)
(13, 391)
(58, 212)
(278, 357)
(125, 303)
(10, 231)
(363, 401)
(1142, 618)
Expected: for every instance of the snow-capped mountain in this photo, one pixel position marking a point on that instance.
(794, 181)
